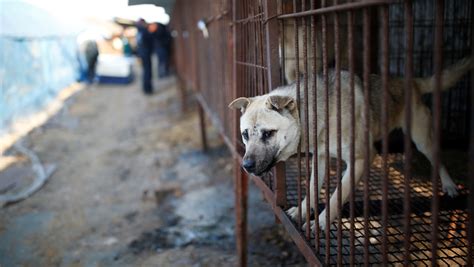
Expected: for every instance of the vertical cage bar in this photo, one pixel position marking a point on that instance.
(198, 88)
(350, 25)
(315, 128)
(306, 123)
(241, 223)
(283, 48)
(230, 74)
(251, 49)
(245, 47)
(298, 101)
(470, 229)
(262, 42)
(271, 35)
(236, 73)
(338, 136)
(438, 66)
(202, 127)
(408, 120)
(384, 126)
(259, 89)
(241, 179)
(326, 119)
(367, 144)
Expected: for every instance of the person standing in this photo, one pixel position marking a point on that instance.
(162, 40)
(92, 54)
(145, 50)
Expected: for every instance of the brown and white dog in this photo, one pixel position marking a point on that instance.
(271, 131)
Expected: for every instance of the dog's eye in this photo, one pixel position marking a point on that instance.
(267, 134)
(245, 134)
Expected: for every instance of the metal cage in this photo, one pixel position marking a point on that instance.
(397, 214)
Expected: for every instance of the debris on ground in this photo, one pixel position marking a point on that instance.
(20, 181)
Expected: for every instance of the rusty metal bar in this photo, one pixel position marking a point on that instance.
(350, 30)
(298, 103)
(241, 178)
(241, 212)
(271, 35)
(306, 124)
(250, 65)
(337, 8)
(384, 126)
(245, 48)
(280, 185)
(248, 19)
(283, 54)
(262, 45)
(271, 32)
(367, 144)
(250, 51)
(303, 246)
(470, 229)
(280, 168)
(326, 118)
(202, 127)
(408, 120)
(254, 31)
(438, 68)
(315, 128)
(338, 136)
(229, 80)
(194, 53)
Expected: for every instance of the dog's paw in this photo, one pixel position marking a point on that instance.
(293, 213)
(312, 226)
(322, 221)
(450, 189)
(321, 224)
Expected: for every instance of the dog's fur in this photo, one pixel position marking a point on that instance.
(272, 124)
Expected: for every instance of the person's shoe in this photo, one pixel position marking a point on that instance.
(148, 91)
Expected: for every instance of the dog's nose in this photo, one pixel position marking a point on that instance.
(249, 165)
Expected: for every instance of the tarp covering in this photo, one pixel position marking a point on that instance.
(166, 4)
(38, 58)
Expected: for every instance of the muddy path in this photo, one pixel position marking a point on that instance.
(133, 188)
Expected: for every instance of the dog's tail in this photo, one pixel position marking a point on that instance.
(449, 76)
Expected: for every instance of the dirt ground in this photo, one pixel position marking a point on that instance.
(133, 188)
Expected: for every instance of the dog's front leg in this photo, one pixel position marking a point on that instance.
(346, 188)
(293, 212)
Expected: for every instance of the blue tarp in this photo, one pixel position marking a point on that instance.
(38, 58)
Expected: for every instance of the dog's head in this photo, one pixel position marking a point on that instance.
(270, 130)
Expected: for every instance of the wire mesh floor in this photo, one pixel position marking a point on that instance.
(452, 246)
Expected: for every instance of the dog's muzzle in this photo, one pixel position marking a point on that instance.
(249, 165)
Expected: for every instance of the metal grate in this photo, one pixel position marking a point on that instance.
(453, 216)
(395, 216)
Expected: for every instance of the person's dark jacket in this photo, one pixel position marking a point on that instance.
(162, 36)
(144, 37)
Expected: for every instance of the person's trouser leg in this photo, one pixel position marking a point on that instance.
(91, 66)
(147, 71)
(163, 62)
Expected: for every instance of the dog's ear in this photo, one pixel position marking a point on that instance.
(278, 103)
(240, 103)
